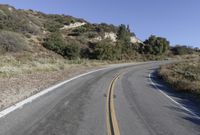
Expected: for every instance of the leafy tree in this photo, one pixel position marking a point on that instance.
(106, 50)
(123, 37)
(123, 32)
(156, 45)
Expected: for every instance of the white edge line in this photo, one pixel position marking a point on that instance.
(166, 95)
(20, 104)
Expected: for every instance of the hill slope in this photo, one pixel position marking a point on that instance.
(28, 66)
(25, 30)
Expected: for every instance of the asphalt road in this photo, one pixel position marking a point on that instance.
(120, 100)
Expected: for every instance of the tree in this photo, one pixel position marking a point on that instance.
(123, 37)
(156, 45)
(123, 32)
(106, 50)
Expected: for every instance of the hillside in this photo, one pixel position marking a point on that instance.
(25, 30)
(38, 50)
(28, 64)
(31, 41)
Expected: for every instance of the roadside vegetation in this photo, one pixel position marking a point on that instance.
(12, 42)
(38, 50)
(33, 41)
(183, 76)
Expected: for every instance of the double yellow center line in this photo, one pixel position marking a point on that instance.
(111, 119)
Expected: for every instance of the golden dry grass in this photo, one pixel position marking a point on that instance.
(11, 65)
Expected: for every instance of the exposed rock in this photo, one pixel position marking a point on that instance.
(111, 35)
(135, 40)
(73, 25)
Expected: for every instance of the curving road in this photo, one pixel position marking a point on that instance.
(127, 100)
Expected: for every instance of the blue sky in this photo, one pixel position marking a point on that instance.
(177, 20)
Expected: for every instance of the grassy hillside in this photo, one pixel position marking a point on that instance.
(23, 34)
(31, 29)
(183, 76)
(32, 41)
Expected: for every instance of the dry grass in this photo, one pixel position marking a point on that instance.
(183, 76)
(11, 65)
(21, 86)
(22, 75)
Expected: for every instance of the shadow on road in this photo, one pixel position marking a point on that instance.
(183, 98)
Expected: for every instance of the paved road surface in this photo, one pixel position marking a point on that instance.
(120, 100)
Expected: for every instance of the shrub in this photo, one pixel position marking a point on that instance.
(106, 50)
(55, 22)
(156, 45)
(182, 50)
(12, 42)
(72, 50)
(17, 21)
(103, 27)
(55, 42)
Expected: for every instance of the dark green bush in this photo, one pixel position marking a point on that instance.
(182, 50)
(106, 50)
(72, 51)
(55, 42)
(156, 45)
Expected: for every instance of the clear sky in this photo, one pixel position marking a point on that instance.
(177, 20)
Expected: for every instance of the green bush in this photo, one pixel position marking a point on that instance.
(72, 51)
(156, 45)
(103, 27)
(53, 26)
(182, 50)
(106, 50)
(55, 42)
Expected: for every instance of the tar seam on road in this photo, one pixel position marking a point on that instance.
(111, 120)
(166, 95)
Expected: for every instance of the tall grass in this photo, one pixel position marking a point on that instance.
(10, 66)
(14, 65)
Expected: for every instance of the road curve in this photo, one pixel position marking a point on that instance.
(127, 94)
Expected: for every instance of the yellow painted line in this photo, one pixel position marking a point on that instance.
(111, 119)
(107, 115)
